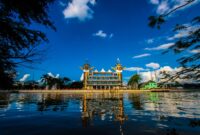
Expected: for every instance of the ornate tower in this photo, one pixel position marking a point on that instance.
(118, 69)
(86, 70)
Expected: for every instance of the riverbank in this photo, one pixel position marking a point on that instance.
(90, 91)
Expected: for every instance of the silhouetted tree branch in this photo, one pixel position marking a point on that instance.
(19, 42)
(158, 20)
(189, 42)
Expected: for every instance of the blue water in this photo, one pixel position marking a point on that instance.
(169, 113)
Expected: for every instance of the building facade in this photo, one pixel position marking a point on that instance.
(94, 79)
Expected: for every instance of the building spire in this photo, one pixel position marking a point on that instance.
(118, 61)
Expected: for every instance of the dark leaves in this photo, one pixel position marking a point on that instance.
(156, 21)
(134, 79)
(180, 27)
(28, 11)
(19, 42)
(188, 41)
(196, 19)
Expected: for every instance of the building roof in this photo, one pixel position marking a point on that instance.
(102, 70)
(96, 70)
(109, 71)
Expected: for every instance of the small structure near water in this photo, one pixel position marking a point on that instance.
(149, 85)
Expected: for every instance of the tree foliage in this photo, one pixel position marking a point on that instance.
(189, 42)
(134, 81)
(76, 85)
(52, 82)
(19, 41)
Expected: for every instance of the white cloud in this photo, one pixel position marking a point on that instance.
(161, 47)
(153, 65)
(156, 76)
(79, 9)
(195, 51)
(166, 68)
(146, 76)
(178, 35)
(165, 6)
(142, 55)
(150, 41)
(50, 74)
(155, 2)
(101, 34)
(173, 71)
(134, 69)
(54, 76)
(24, 78)
(162, 7)
(184, 32)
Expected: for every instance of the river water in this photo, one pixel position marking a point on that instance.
(163, 113)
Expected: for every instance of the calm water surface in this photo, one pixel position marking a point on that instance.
(176, 113)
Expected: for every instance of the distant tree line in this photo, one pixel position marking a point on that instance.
(48, 82)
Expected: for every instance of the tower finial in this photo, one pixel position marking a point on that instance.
(118, 61)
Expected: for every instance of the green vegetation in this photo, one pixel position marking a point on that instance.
(54, 83)
(134, 81)
(149, 85)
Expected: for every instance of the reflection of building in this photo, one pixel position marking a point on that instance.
(93, 79)
(106, 107)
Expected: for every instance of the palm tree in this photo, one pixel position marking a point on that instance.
(44, 79)
(65, 80)
(134, 81)
(48, 81)
(53, 82)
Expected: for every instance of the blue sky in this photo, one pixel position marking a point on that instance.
(104, 30)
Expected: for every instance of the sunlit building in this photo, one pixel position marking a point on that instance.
(110, 79)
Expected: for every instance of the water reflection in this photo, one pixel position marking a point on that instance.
(108, 113)
(4, 100)
(106, 107)
(136, 101)
(54, 102)
(174, 104)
